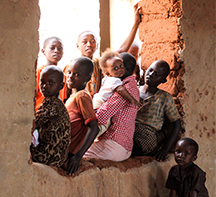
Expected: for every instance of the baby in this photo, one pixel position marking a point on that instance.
(52, 122)
(186, 178)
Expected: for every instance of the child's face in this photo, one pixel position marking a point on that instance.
(50, 84)
(155, 75)
(184, 154)
(115, 67)
(77, 77)
(53, 51)
(87, 45)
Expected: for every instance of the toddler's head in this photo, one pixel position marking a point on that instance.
(111, 64)
(79, 73)
(51, 81)
(157, 73)
(129, 63)
(186, 152)
(87, 43)
(53, 50)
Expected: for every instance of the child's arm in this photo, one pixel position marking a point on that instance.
(123, 92)
(74, 161)
(161, 155)
(129, 40)
(173, 193)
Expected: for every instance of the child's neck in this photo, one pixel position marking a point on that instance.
(50, 63)
(148, 90)
(75, 90)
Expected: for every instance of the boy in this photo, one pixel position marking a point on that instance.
(156, 106)
(84, 128)
(186, 178)
(52, 121)
(87, 45)
(116, 143)
(53, 51)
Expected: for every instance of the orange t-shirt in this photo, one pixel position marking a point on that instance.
(81, 112)
(39, 96)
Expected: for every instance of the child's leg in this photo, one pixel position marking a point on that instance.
(102, 128)
(107, 150)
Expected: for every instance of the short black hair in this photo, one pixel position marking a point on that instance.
(86, 32)
(55, 69)
(51, 38)
(86, 63)
(129, 62)
(191, 142)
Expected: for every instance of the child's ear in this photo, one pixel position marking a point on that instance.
(195, 157)
(77, 45)
(62, 85)
(43, 51)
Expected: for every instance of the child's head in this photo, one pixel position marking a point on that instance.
(129, 63)
(134, 50)
(51, 81)
(79, 73)
(186, 152)
(53, 50)
(87, 44)
(111, 64)
(157, 73)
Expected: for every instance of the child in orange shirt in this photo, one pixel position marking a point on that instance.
(53, 51)
(84, 128)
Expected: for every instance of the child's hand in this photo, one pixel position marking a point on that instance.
(161, 155)
(137, 15)
(73, 165)
(136, 103)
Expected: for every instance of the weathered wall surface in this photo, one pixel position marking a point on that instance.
(18, 52)
(183, 34)
(198, 28)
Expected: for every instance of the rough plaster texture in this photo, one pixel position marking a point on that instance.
(18, 52)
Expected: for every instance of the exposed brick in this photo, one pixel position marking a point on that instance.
(158, 30)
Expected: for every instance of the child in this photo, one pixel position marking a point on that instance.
(116, 143)
(87, 45)
(156, 106)
(52, 121)
(186, 178)
(53, 51)
(112, 66)
(84, 126)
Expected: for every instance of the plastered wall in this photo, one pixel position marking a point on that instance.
(19, 21)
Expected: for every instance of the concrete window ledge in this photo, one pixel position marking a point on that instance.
(138, 176)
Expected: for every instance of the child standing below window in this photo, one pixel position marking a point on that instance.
(51, 121)
(112, 66)
(84, 128)
(186, 178)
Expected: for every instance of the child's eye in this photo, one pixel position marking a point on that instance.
(84, 41)
(121, 66)
(115, 68)
(60, 48)
(92, 41)
(52, 47)
(51, 83)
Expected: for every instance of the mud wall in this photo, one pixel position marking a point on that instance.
(183, 34)
(19, 21)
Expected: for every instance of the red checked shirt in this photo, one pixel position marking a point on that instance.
(123, 115)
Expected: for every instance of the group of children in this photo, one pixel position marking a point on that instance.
(93, 108)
